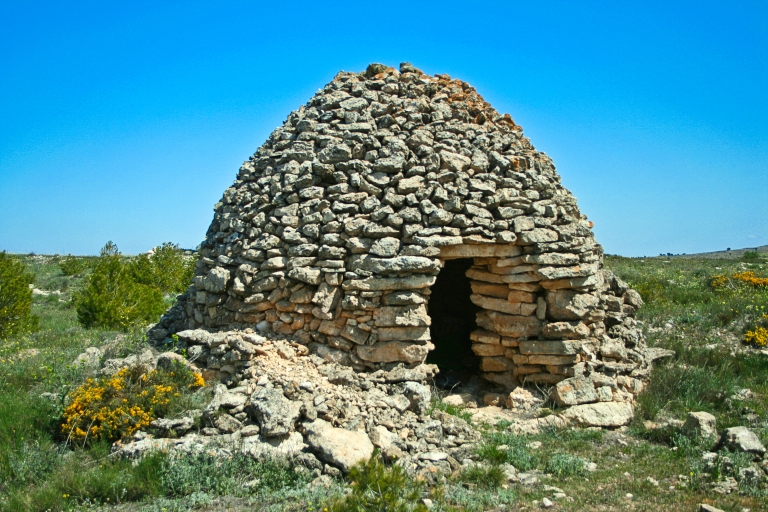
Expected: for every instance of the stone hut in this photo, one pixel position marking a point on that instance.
(396, 214)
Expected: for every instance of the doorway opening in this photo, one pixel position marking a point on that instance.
(453, 319)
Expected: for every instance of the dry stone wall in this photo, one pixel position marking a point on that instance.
(335, 230)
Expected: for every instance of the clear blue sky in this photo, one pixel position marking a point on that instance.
(126, 121)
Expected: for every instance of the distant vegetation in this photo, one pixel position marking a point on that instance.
(120, 292)
(15, 297)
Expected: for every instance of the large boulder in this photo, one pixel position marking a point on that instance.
(574, 391)
(741, 439)
(601, 414)
(337, 446)
(275, 414)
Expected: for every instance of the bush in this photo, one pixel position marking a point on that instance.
(499, 448)
(484, 477)
(112, 299)
(73, 266)
(166, 269)
(115, 407)
(204, 473)
(15, 297)
(376, 487)
(563, 465)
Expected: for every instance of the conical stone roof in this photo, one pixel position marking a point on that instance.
(335, 229)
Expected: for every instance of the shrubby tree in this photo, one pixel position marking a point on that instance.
(15, 297)
(112, 298)
(166, 269)
(72, 265)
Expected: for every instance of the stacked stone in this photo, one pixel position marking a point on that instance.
(334, 231)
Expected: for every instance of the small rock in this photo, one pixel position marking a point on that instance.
(703, 507)
(726, 486)
(547, 503)
(90, 359)
(701, 424)
(742, 439)
(249, 430)
(522, 399)
(227, 423)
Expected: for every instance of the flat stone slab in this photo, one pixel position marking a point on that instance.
(601, 414)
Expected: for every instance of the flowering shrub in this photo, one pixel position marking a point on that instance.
(117, 406)
(754, 288)
(758, 336)
(749, 277)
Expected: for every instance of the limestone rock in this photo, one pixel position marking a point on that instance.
(391, 351)
(337, 446)
(741, 439)
(574, 391)
(275, 413)
(701, 424)
(601, 414)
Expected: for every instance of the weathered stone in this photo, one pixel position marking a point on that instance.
(385, 247)
(386, 441)
(275, 413)
(574, 391)
(418, 395)
(337, 446)
(496, 364)
(479, 251)
(390, 351)
(306, 275)
(414, 282)
(509, 325)
(216, 280)
(564, 347)
(490, 290)
(401, 316)
(403, 333)
(568, 330)
(601, 414)
(570, 305)
(701, 424)
(741, 439)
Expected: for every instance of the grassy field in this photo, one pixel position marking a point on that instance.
(638, 468)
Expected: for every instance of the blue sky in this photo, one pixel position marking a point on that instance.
(126, 121)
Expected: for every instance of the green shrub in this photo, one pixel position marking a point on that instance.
(564, 465)
(484, 477)
(238, 475)
(376, 487)
(112, 299)
(167, 269)
(15, 297)
(90, 477)
(499, 448)
(73, 266)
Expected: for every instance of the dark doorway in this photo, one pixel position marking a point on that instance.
(453, 319)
